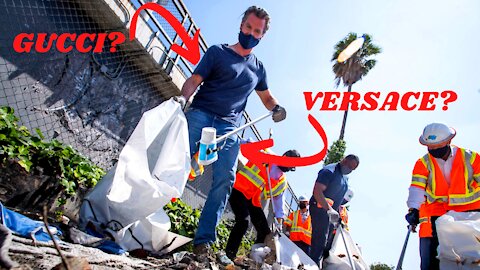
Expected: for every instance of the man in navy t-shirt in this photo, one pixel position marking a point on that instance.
(230, 73)
(331, 183)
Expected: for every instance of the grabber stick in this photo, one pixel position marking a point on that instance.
(350, 260)
(276, 234)
(224, 137)
(402, 254)
(267, 166)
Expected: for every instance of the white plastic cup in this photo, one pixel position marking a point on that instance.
(206, 152)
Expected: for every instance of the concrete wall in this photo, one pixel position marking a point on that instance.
(91, 101)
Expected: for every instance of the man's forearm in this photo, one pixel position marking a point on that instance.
(323, 202)
(320, 197)
(268, 100)
(190, 86)
(188, 89)
(271, 104)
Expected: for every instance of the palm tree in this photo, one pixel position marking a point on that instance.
(354, 68)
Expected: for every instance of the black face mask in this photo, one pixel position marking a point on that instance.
(439, 152)
(302, 205)
(247, 41)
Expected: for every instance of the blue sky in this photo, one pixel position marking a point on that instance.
(427, 46)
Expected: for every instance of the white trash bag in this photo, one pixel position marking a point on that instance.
(152, 169)
(290, 255)
(459, 240)
(338, 258)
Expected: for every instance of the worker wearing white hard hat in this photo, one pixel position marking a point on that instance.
(299, 226)
(302, 198)
(436, 134)
(446, 178)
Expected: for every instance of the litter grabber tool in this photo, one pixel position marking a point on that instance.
(339, 228)
(267, 166)
(275, 222)
(402, 254)
(208, 145)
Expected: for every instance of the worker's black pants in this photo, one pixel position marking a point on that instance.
(428, 250)
(321, 229)
(243, 208)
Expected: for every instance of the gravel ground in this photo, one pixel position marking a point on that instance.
(43, 255)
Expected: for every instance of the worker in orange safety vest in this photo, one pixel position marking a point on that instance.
(299, 226)
(446, 178)
(250, 187)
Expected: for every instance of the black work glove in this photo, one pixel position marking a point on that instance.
(412, 217)
(279, 113)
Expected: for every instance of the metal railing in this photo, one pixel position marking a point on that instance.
(170, 60)
(94, 101)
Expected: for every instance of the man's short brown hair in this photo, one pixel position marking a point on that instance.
(260, 13)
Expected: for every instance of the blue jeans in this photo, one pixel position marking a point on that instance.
(320, 231)
(223, 170)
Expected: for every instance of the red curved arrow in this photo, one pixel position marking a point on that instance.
(252, 151)
(192, 52)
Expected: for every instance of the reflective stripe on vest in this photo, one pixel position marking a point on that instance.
(298, 232)
(252, 182)
(419, 180)
(468, 193)
(425, 227)
(252, 174)
(277, 189)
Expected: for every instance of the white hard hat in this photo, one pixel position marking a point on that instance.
(436, 133)
(348, 195)
(302, 198)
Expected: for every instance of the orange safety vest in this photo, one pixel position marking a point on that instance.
(463, 194)
(252, 181)
(425, 225)
(300, 230)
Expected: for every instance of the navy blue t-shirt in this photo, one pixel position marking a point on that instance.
(228, 80)
(337, 183)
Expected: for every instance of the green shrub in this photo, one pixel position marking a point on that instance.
(184, 221)
(52, 158)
